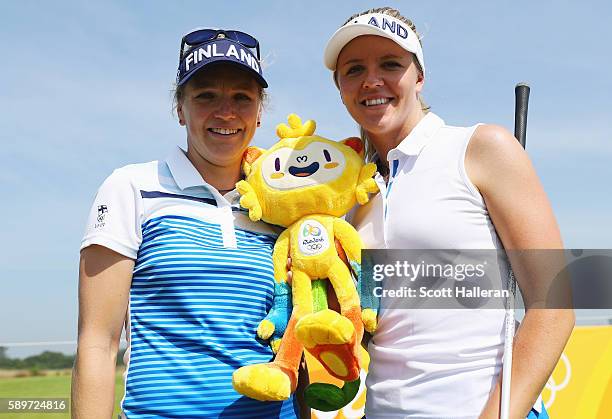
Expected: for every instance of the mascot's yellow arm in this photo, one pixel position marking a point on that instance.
(280, 256)
(349, 239)
(366, 184)
(249, 200)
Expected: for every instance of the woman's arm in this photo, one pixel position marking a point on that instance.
(523, 218)
(104, 284)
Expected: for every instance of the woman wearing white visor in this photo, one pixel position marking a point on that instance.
(442, 187)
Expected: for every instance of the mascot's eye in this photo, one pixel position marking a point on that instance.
(277, 164)
(326, 154)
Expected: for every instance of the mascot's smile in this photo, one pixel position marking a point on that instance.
(304, 171)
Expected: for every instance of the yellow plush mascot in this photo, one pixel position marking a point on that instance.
(305, 183)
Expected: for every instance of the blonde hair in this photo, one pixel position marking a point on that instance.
(370, 151)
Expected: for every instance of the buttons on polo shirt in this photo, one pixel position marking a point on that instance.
(226, 219)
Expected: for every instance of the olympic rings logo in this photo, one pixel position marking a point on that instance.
(310, 230)
(553, 387)
(314, 246)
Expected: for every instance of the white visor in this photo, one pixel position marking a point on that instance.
(373, 24)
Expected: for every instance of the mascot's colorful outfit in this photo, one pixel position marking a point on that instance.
(305, 183)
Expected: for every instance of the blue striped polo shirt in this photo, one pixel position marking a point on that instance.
(202, 282)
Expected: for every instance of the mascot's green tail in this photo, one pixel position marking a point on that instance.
(319, 295)
(323, 396)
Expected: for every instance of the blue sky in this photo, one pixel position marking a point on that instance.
(86, 87)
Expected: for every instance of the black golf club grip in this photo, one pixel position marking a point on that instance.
(521, 92)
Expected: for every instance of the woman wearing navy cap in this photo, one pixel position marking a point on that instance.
(443, 187)
(168, 252)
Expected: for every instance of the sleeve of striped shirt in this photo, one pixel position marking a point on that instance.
(115, 217)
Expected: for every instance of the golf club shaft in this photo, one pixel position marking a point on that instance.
(520, 132)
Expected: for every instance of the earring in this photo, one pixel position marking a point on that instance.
(258, 123)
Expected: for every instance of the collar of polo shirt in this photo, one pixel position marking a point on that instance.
(187, 176)
(420, 135)
(184, 173)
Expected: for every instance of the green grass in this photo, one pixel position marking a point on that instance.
(47, 386)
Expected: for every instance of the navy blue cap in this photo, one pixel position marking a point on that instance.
(221, 50)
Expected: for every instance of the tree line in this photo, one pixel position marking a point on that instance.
(47, 360)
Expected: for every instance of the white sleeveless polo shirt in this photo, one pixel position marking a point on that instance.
(431, 363)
